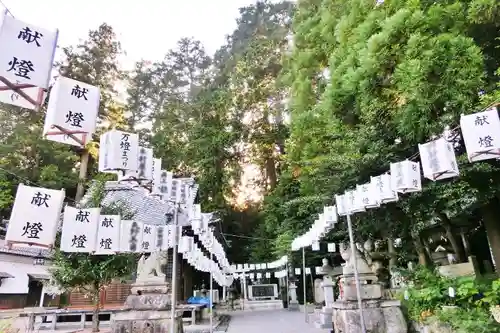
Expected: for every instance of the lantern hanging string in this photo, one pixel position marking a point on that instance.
(416, 155)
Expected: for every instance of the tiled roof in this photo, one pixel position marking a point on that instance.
(24, 251)
(147, 209)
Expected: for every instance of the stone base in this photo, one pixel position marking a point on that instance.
(264, 305)
(153, 286)
(368, 292)
(293, 306)
(325, 319)
(144, 321)
(149, 302)
(381, 316)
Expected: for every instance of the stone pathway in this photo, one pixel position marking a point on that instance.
(275, 321)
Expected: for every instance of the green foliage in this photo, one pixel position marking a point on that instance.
(368, 83)
(428, 297)
(90, 273)
(468, 320)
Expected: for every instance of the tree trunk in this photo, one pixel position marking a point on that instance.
(423, 258)
(95, 312)
(492, 227)
(451, 236)
(84, 163)
(271, 174)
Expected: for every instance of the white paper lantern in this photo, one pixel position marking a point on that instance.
(481, 133)
(297, 271)
(163, 185)
(340, 201)
(330, 213)
(438, 160)
(72, 112)
(118, 151)
(195, 217)
(382, 187)
(156, 173)
(27, 57)
(183, 244)
(145, 164)
(160, 234)
(144, 172)
(368, 195)
(79, 230)
(125, 235)
(268, 275)
(35, 216)
(108, 235)
(148, 243)
(405, 177)
(308, 271)
(315, 246)
(354, 203)
(316, 230)
(331, 247)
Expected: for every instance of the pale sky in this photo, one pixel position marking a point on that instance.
(146, 28)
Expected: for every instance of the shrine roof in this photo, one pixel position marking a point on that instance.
(147, 209)
(23, 251)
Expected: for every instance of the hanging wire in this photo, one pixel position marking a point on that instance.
(7, 8)
(247, 237)
(451, 131)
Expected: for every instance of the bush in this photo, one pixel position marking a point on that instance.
(428, 294)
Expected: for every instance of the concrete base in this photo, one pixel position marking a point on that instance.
(325, 319)
(381, 316)
(152, 286)
(263, 305)
(148, 312)
(144, 321)
(149, 302)
(293, 306)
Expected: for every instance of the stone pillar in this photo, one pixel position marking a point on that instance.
(326, 314)
(245, 296)
(42, 296)
(224, 293)
(294, 303)
(328, 285)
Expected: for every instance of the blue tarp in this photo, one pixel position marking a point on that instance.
(199, 300)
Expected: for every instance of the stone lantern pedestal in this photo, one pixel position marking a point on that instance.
(380, 315)
(294, 303)
(148, 311)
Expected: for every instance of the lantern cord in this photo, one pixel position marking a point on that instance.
(415, 156)
(29, 182)
(7, 8)
(494, 104)
(247, 237)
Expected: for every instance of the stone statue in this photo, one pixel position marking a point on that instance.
(326, 268)
(150, 267)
